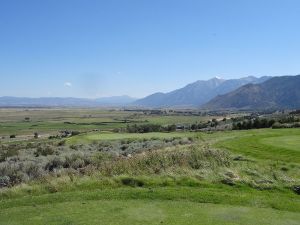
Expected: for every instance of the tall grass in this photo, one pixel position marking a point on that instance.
(160, 162)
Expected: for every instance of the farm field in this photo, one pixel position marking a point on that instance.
(180, 177)
(50, 121)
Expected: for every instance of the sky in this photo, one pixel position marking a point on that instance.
(96, 48)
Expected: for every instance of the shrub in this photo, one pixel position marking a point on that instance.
(44, 151)
(296, 189)
(78, 163)
(228, 181)
(13, 171)
(75, 161)
(157, 162)
(4, 181)
(61, 143)
(34, 171)
(132, 182)
(54, 164)
(6, 152)
(74, 133)
(101, 157)
(278, 125)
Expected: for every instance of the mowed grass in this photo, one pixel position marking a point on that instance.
(164, 205)
(264, 144)
(143, 212)
(287, 142)
(107, 136)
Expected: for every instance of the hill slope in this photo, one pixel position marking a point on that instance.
(197, 93)
(277, 93)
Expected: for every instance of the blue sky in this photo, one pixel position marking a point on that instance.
(94, 48)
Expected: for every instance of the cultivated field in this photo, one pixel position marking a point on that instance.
(104, 176)
(49, 121)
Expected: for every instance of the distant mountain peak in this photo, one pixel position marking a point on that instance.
(274, 93)
(195, 94)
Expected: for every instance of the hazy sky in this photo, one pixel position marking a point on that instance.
(93, 48)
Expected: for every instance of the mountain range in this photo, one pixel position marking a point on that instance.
(65, 102)
(197, 93)
(245, 93)
(276, 93)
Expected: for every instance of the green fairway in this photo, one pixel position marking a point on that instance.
(288, 142)
(267, 144)
(143, 212)
(153, 206)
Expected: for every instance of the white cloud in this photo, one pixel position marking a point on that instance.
(68, 84)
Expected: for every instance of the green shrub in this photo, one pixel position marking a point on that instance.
(4, 181)
(13, 171)
(55, 163)
(158, 162)
(61, 143)
(132, 182)
(8, 151)
(76, 161)
(44, 151)
(34, 171)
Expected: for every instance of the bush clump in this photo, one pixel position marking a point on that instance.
(44, 151)
(132, 182)
(23, 162)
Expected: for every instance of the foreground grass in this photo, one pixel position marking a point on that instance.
(143, 212)
(168, 205)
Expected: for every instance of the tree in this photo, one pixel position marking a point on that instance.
(194, 127)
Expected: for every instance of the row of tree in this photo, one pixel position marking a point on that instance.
(147, 128)
(247, 123)
(253, 124)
